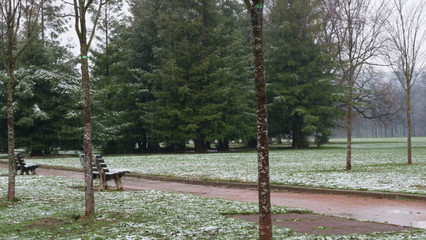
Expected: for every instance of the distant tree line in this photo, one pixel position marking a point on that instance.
(170, 72)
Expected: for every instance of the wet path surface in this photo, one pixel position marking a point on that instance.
(400, 212)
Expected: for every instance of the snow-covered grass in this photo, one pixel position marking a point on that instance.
(378, 164)
(51, 208)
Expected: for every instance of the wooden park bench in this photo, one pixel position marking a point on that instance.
(24, 167)
(101, 171)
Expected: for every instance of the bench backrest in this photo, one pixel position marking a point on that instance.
(101, 163)
(98, 163)
(19, 161)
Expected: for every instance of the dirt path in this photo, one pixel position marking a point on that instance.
(400, 212)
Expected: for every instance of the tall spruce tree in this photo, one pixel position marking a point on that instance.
(118, 97)
(301, 92)
(196, 53)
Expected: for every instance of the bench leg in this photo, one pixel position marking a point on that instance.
(117, 180)
(103, 183)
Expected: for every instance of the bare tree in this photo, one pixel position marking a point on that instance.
(355, 27)
(255, 8)
(82, 8)
(18, 16)
(407, 35)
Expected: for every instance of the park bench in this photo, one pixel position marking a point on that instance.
(101, 171)
(24, 167)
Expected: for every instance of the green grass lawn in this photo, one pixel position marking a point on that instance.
(51, 208)
(378, 164)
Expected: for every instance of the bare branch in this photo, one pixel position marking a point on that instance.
(95, 22)
(67, 3)
(77, 17)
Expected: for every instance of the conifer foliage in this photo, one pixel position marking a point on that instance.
(198, 82)
(301, 92)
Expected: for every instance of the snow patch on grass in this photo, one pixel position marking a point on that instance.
(134, 215)
(377, 166)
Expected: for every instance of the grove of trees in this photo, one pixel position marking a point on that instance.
(162, 74)
(168, 73)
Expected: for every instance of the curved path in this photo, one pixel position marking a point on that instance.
(400, 212)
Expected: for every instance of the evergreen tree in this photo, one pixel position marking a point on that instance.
(46, 111)
(302, 94)
(45, 104)
(118, 113)
(198, 92)
(46, 114)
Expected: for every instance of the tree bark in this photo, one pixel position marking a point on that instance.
(89, 196)
(200, 145)
(87, 134)
(349, 136)
(299, 139)
(223, 145)
(349, 113)
(408, 103)
(265, 223)
(10, 135)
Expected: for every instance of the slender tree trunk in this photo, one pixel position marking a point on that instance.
(349, 138)
(265, 223)
(42, 22)
(87, 133)
(10, 134)
(349, 132)
(408, 102)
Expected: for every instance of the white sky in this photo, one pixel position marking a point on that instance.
(69, 38)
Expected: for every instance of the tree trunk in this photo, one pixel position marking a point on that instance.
(349, 133)
(200, 145)
(299, 139)
(223, 145)
(408, 102)
(265, 223)
(10, 134)
(87, 133)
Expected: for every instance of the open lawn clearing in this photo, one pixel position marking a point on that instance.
(52, 209)
(378, 166)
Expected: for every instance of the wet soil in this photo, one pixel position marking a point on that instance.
(310, 223)
(333, 211)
